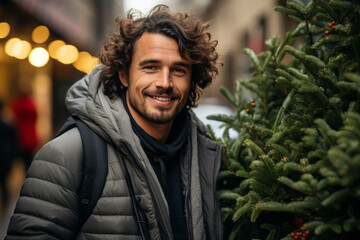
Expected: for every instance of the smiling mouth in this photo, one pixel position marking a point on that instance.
(163, 99)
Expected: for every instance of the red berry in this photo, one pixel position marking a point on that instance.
(307, 232)
(292, 234)
(330, 25)
(247, 110)
(333, 22)
(253, 104)
(304, 238)
(252, 100)
(296, 237)
(327, 32)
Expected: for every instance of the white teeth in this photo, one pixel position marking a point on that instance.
(164, 99)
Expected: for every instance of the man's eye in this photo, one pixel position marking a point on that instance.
(179, 70)
(150, 67)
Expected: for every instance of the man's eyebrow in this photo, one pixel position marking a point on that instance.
(148, 61)
(154, 61)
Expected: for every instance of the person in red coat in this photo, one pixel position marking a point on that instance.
(25, 117)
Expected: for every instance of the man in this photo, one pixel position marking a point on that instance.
(139, 101)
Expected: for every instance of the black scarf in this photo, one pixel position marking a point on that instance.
(153, 147)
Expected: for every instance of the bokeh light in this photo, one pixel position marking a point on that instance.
(4, 29)
(67, 54)
(54, 46)
(23, 49)
(39, 57)
(11, 45)
(85, 62)
(40, 34)
(17, 48)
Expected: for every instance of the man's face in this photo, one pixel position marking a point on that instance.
(159, 80)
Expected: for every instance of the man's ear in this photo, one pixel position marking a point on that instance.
(123, 79)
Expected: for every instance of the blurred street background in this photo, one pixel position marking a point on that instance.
(47, 45)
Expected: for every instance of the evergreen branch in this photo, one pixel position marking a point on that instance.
(339, 160)
(291, 166)
(224, 174)
(248, 86)
(283, 109)
(266, 61)
(259, 187)
(294, 207)
(250, 53)
(276, 137)
(225, 159)
(235, 230)
(254, 147)
(254, 214)
(227, 95)
(279, 51)
(241, 211)
(299, 7)
(280, 149)
(300, 186)
(236, 146)
(342, 5)
(242, 173)
(288, 11)
(229, 196)
(327, 8)
(335, 197)
(334, 38)
(326, 227)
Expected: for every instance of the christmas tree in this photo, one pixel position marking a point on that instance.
(294, 170)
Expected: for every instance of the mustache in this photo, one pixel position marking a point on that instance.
(168, 92)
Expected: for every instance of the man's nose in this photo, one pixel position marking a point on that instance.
(164, 80)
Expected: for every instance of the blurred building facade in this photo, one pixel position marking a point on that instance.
(80, 26)
(238, 24)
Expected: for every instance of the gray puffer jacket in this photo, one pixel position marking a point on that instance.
(48, 203)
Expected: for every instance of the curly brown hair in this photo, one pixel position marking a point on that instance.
(191, 35)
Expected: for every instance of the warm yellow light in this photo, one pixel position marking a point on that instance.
(94, 63)
(11, 45)
(54, 46)
(39, 57)
(85, 62)
(4, 29)
(40, 34)
(23, 50)
(82, 61)
(67, 54)
(15, 47)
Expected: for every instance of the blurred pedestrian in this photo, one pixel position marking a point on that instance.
(9, 151)
(162, 163)
(25, 117)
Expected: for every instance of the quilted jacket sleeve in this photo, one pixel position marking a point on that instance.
(48, 206)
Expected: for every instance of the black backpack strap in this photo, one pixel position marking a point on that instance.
(95, 170)
(95, 167)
